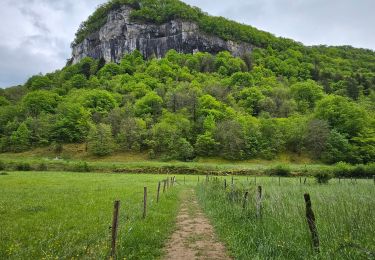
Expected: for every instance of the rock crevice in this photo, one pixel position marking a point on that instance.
(120, 35)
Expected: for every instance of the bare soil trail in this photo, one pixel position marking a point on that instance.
(194, 237)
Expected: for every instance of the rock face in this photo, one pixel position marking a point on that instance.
(120, 36)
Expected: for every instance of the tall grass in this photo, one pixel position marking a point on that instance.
(68, 215)
(344, 213)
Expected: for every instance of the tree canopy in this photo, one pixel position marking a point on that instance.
(189, 105)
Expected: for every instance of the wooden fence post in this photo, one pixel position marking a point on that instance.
(116, 210)
(144, 202)
(157, 197)
(300, 180)
(232, 180)
(245, 200)
(311, 222)
(164, 185)
(304, 182)
(259, 202)
(225, 184)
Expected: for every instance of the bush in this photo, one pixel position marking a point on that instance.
(323, 177)
(342, 169)
(42, 167)
(81, 167)
(279, 170)
(3, 173)
(23, 167)
(346, 170)
(2, 166)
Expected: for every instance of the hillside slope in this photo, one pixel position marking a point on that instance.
(281, 97)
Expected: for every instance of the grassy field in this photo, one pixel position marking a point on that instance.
(344, 211)
(49, 215)
(68, 215)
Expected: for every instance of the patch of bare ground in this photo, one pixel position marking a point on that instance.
(194, 237)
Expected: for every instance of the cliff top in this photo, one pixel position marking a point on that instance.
(161, 11)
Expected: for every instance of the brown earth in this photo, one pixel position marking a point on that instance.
(195, 237)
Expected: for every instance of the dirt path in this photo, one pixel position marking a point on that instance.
(194, 237)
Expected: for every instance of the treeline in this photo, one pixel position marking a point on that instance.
(186, 105)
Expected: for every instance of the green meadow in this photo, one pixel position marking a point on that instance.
(64, 215)
(69, 215)
(344, 212)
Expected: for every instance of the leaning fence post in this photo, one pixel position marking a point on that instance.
(311, 222)
(157, 197)
(245, 200)
(116, 210)
(144, 202)
(259, 202)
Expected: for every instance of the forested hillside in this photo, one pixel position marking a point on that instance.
(281, 98)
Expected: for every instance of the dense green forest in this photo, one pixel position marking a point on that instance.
(281, 98)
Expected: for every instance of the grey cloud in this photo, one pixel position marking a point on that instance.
(18, 64)
(35, 19)
(37, 36)
(333, 22)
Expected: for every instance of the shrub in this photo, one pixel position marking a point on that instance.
(346, 170)
(279, 170)
(342, 169)
(323, 177)
(370, 169)
(23, 167)
(3, 173)
(81, 167)
(2, 166)
(42, 167)
(362, 170)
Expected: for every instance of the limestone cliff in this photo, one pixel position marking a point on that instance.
(120, 35)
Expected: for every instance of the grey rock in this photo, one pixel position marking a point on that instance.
(120, 35)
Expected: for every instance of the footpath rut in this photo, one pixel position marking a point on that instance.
(195, 237)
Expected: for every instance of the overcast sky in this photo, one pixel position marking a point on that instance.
(36, 34)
